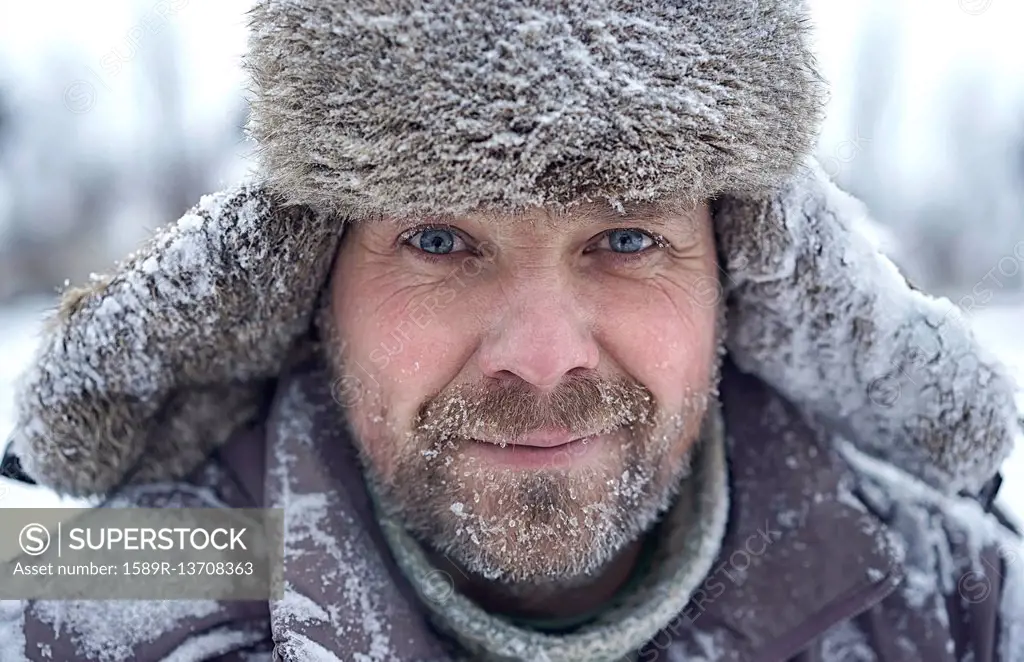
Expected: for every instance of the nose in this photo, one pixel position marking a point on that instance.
(540, 335)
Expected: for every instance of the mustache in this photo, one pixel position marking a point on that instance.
(582, 404)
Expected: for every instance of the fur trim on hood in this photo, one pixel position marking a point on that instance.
(362, 108)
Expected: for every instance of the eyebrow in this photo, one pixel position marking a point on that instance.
(659, 214)
(597, 213)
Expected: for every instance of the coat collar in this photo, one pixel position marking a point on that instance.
(801, 553)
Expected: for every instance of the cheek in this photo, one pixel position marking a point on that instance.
(403, 344)
(663, 334)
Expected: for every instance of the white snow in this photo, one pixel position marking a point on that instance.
(999, 327)
(12, 631)
(211, 644)
(339, 559)
(19, 326)
(109, 631)
(304, 649)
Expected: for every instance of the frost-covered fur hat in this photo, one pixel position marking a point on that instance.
(413, 107)
(369, 107)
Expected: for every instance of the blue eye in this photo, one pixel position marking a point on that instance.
(629, 241)
(436, 241)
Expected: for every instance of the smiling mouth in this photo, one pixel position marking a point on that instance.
(541, 440)
(533, 448)
(538, 450)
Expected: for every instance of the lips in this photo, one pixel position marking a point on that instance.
(541, 439)
(538, 451)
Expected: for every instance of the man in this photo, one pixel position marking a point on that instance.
(552, 344)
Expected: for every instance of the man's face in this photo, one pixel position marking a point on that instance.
(525, 391)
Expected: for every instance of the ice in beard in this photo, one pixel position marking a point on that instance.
(526, 525)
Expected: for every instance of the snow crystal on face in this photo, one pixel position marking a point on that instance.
(501, 529)
(12, 631)
(109, 631)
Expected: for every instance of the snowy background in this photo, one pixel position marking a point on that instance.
(116, 115)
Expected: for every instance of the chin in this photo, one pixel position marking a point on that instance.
(535, 525)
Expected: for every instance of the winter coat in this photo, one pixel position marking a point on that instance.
(865, 425)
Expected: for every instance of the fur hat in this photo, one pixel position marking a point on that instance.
(368, 107)
(409, 107)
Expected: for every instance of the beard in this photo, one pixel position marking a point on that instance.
(552, 523)
(551, 526)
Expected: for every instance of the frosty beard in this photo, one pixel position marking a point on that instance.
(556, 525)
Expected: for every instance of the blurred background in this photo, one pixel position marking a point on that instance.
(117, 115)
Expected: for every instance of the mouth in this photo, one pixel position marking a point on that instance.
(540, 439)
(538, 450)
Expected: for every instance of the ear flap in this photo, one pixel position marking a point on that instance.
(824, 318)
(144, 372)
